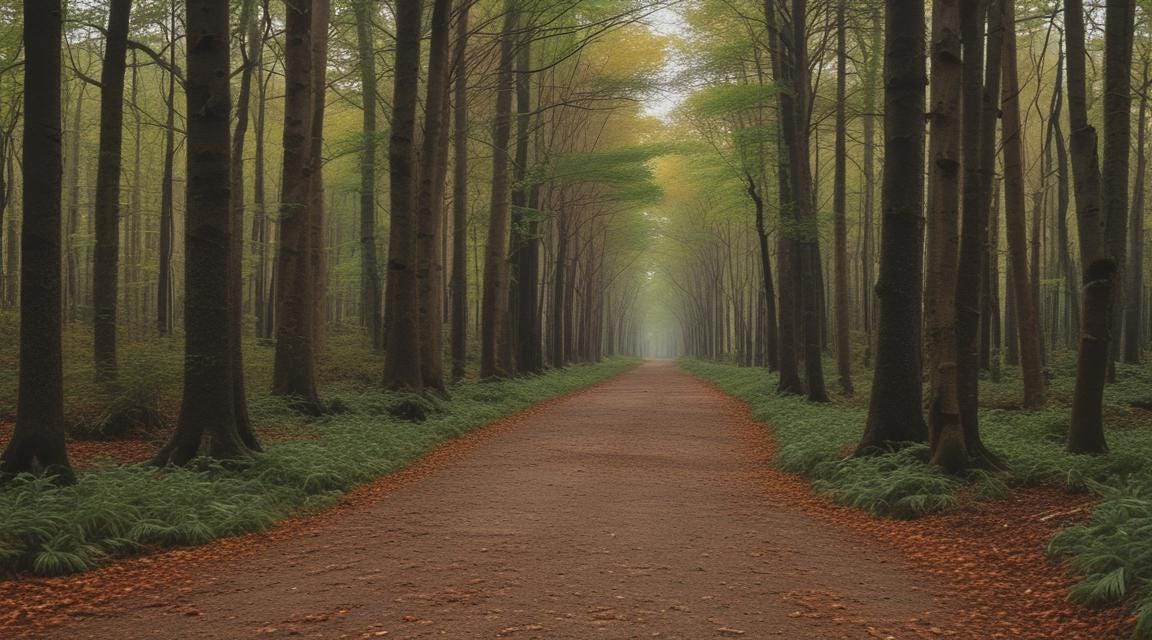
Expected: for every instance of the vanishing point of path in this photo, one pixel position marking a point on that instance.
(626, 511)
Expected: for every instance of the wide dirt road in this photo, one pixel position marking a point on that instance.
(625, 511)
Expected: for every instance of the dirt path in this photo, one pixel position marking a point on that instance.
(626, 512)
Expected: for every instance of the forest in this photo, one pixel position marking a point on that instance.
(575, 318)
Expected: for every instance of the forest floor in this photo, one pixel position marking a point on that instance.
(642, 507)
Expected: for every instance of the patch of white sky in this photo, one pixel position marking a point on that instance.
(663, 100)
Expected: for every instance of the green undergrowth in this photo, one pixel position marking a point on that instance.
(121, 510)
(1113, 550)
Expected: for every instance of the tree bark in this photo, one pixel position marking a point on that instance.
(401, 325)
(1086, 432)
(318, 252)
(945, 433)
(38, 438)
(107, 212)
(294, 365)
(787, 258)
(895, 413)
(249, 22)
(460, 198)
(1133, 338)
(1028, 326)
(839, 206)
(496, 270)
(430, 201)
(526, 228)
(981, 92)
(370, 300)
(208, 410)
(167, 196)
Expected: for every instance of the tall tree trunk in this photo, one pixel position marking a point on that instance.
(894, 412)
(460, 197)
(132, 220)
(318, 252)
(430, 201)
(787, 258)
(294, 367)
(1027, 319)
(38, 439)
(401, 325)
(1133, 342)
(1117, 150)
(264, 291)
(496, 270)
(868, 250)
(72, 222)
(370, 311)
(1086, 432)
(1066, 267)
(945, 434)
(525, 226)
(167, 196)
(770, 333)
(208, 409)
(249, 22)
(107, 212)
(839, 206)
(981, 92)
(807, 243)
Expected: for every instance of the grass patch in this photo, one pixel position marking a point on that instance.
(120, 510)
(1113, 550)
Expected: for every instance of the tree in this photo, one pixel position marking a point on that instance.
(807, 233)
(317, 217)
(370, 311)
(1027, 319)
(496, 273)
(207, 422)
(460, 196)
(167, 198)
(786, 265)
(980, 100)
(401, 325)
(529, 355)
(38, 439)
(944, 172)
(107, 213)
(430, 199)
(1133, 344)
(894, 410)
(1093, 212)
(294, 367)
(840, 206)
(250, 44)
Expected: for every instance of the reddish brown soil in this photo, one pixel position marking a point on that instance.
(641, 508)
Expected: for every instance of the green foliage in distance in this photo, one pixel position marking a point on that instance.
(120, 510)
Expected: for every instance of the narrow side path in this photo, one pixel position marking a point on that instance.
(625, 512)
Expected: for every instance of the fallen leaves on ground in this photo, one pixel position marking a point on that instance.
(30, 604)
(991, 555)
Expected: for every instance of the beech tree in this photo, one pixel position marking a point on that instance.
(37, 441)
(894, 410)
(208, 419)
(401, 325)
(294, 370)
(105, 276)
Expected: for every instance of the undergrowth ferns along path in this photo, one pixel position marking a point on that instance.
(114, 511)
(1095, 512)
